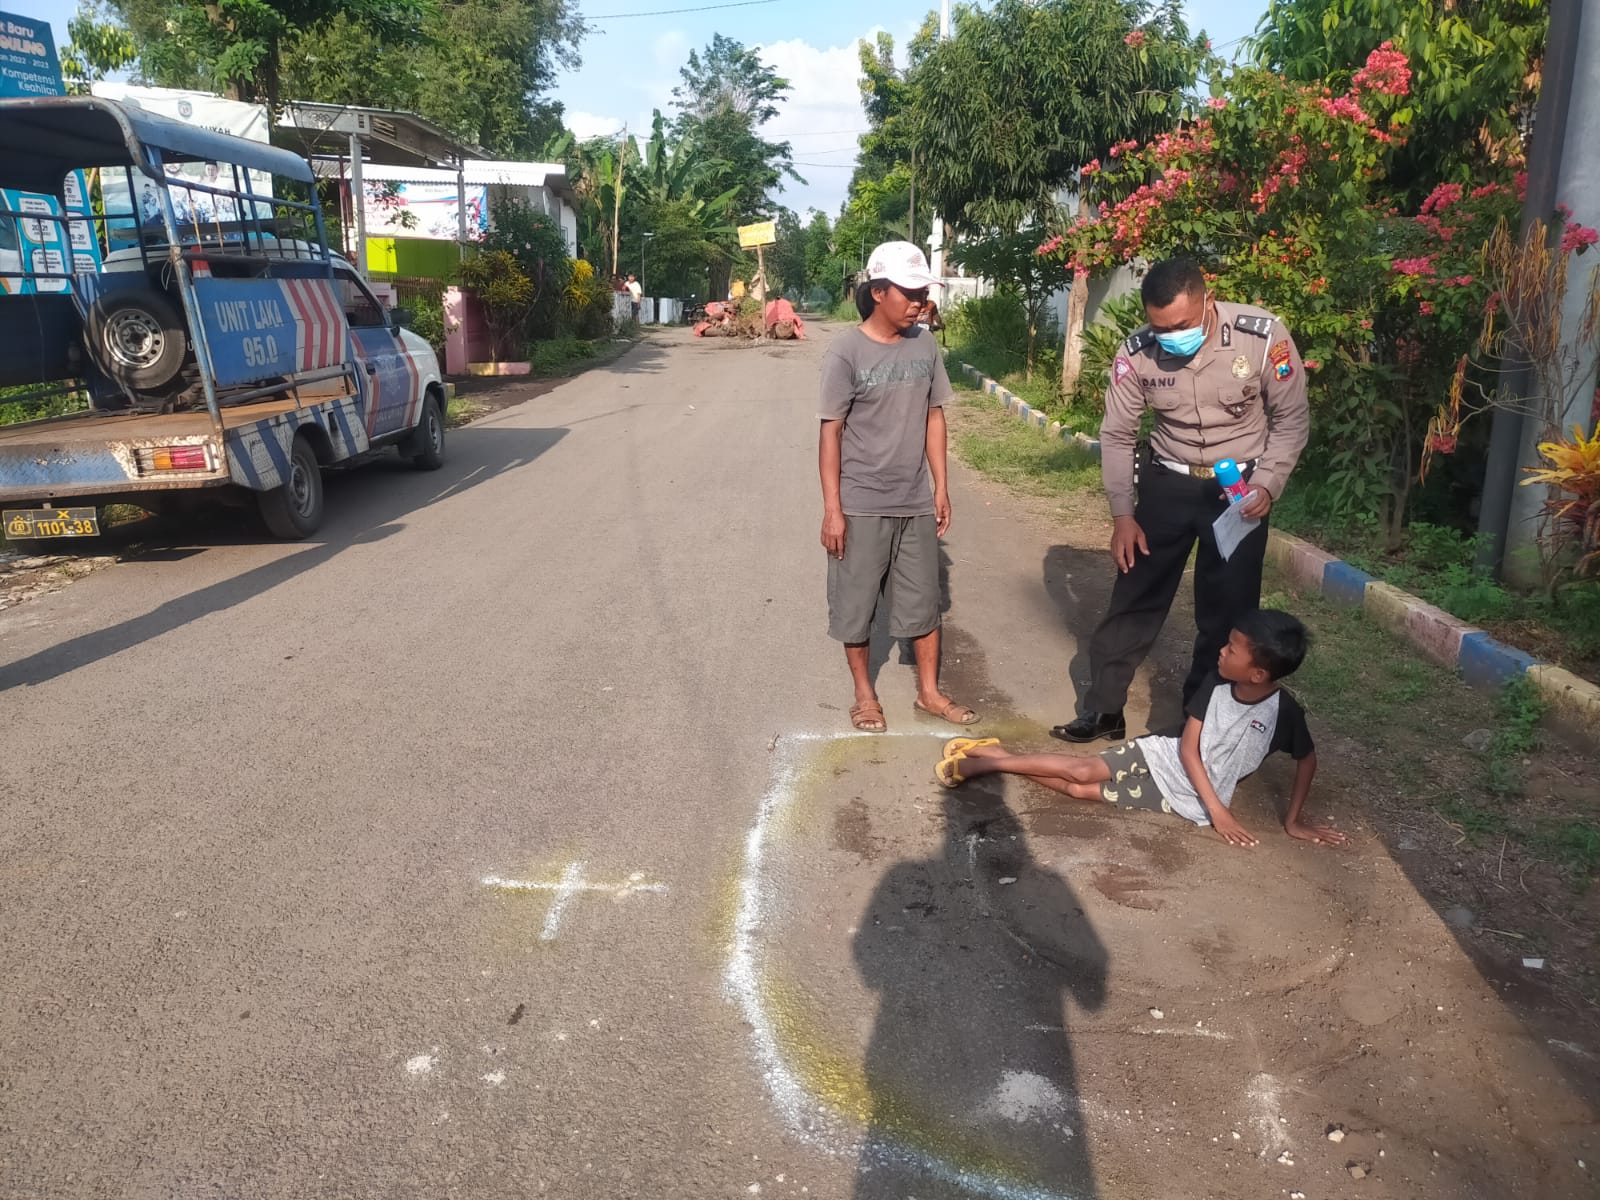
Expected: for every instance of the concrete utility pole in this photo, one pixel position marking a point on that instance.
(358, 204)
(1504, 503)
(936, 237)
(616, 211)
(1578, 185)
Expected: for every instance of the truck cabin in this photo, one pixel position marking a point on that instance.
(107, 216)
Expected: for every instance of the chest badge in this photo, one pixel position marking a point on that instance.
(1241, 367)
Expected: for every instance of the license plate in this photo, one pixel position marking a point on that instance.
(21, 524)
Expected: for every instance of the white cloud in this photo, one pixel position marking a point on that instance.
(821, 117)
(585, 125)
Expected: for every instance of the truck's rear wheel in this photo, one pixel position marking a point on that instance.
(425, 446)
(137, 338)
(293, 510)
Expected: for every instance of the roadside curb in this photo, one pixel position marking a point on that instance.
(1479, 659)
(1023, 411)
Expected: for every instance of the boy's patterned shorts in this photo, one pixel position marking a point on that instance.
(1131, 785)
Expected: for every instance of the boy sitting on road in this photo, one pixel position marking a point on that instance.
(1237, 717)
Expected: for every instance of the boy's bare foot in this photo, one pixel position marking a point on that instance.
(1319, 833)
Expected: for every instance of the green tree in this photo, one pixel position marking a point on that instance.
(97, 47)
(1023, 94)
(727, 96)
(237, 46)
(1475, 72)
(476, 67)
(786, 261)
(1013, 262)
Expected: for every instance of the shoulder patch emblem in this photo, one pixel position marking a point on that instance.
(1260, 326)
(1138, 341)
(1121, 370)
(1279, 357)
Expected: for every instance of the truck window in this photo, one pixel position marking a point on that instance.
(361, 307)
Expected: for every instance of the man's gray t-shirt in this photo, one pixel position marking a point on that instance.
(882, 393)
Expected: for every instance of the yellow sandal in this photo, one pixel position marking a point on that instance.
(956, 747)
(948, 772)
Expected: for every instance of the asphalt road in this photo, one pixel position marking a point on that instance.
(503, 841)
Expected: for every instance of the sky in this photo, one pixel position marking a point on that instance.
(631, 64)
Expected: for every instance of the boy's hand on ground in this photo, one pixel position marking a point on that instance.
(941, 511)
(1231, 831)
(833, 534)
(1319, 833)
(1126, 537)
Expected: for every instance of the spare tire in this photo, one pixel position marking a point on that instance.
(138, 339)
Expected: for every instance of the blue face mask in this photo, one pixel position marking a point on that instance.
(1184, 342)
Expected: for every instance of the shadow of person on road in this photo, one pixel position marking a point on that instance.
(1079, 582)
(973, 953)
(365, 504)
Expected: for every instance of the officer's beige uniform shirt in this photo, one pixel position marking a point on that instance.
(1242, 396)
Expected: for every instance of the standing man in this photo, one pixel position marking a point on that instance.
(885, 500)
(1224, 381)
(636, 294)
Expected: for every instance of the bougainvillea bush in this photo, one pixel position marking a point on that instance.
(1279, 189)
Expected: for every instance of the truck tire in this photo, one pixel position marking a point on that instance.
(293, 510)
(137, 338)
(425, 446)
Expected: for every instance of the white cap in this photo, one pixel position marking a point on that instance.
(903, 265)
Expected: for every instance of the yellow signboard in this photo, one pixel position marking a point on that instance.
(762, 233)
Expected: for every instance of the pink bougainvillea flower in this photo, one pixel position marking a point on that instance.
(1217, 102)
(1135, 39)
(1576, 238)
(1427, 308)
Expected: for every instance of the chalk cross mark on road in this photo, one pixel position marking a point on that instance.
(567, 887)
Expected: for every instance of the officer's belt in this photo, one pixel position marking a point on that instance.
(1204, 472)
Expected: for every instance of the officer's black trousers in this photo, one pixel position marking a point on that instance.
(1175, 511)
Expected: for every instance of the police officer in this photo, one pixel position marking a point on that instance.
(1224, 381)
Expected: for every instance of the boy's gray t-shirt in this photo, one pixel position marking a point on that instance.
(882, 392)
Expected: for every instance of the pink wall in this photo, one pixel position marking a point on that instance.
(467, 338)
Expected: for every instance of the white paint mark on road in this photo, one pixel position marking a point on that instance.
(1263, 1094)
(808, 1116)
(1023, 1096)
(1570, 1047)
(568, 886)
(494, 1078)
(421, 1064)
(571, 881)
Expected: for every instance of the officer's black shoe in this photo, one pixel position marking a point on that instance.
(1092, 727)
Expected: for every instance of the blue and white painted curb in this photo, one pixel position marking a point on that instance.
(1021, 409)
(1481, 660)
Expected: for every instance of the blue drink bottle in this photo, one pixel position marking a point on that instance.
(1232, 480)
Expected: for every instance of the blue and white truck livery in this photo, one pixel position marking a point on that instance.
(221, 346)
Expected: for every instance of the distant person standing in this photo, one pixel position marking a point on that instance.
(1224, 381)
(635, 294)
(885, 499)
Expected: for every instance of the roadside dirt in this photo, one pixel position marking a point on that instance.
(1380, 990)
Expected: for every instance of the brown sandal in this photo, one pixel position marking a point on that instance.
(956, 714)
(867, 717)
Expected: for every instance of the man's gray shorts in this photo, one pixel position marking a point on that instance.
(896, 558)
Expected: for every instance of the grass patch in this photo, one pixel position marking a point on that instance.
(1410, 717)
(1042, 392)
(1023, 456)
(461, 411)
(1436, 562)
(561, 356)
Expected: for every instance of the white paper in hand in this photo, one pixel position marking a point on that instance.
(1232, 527)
